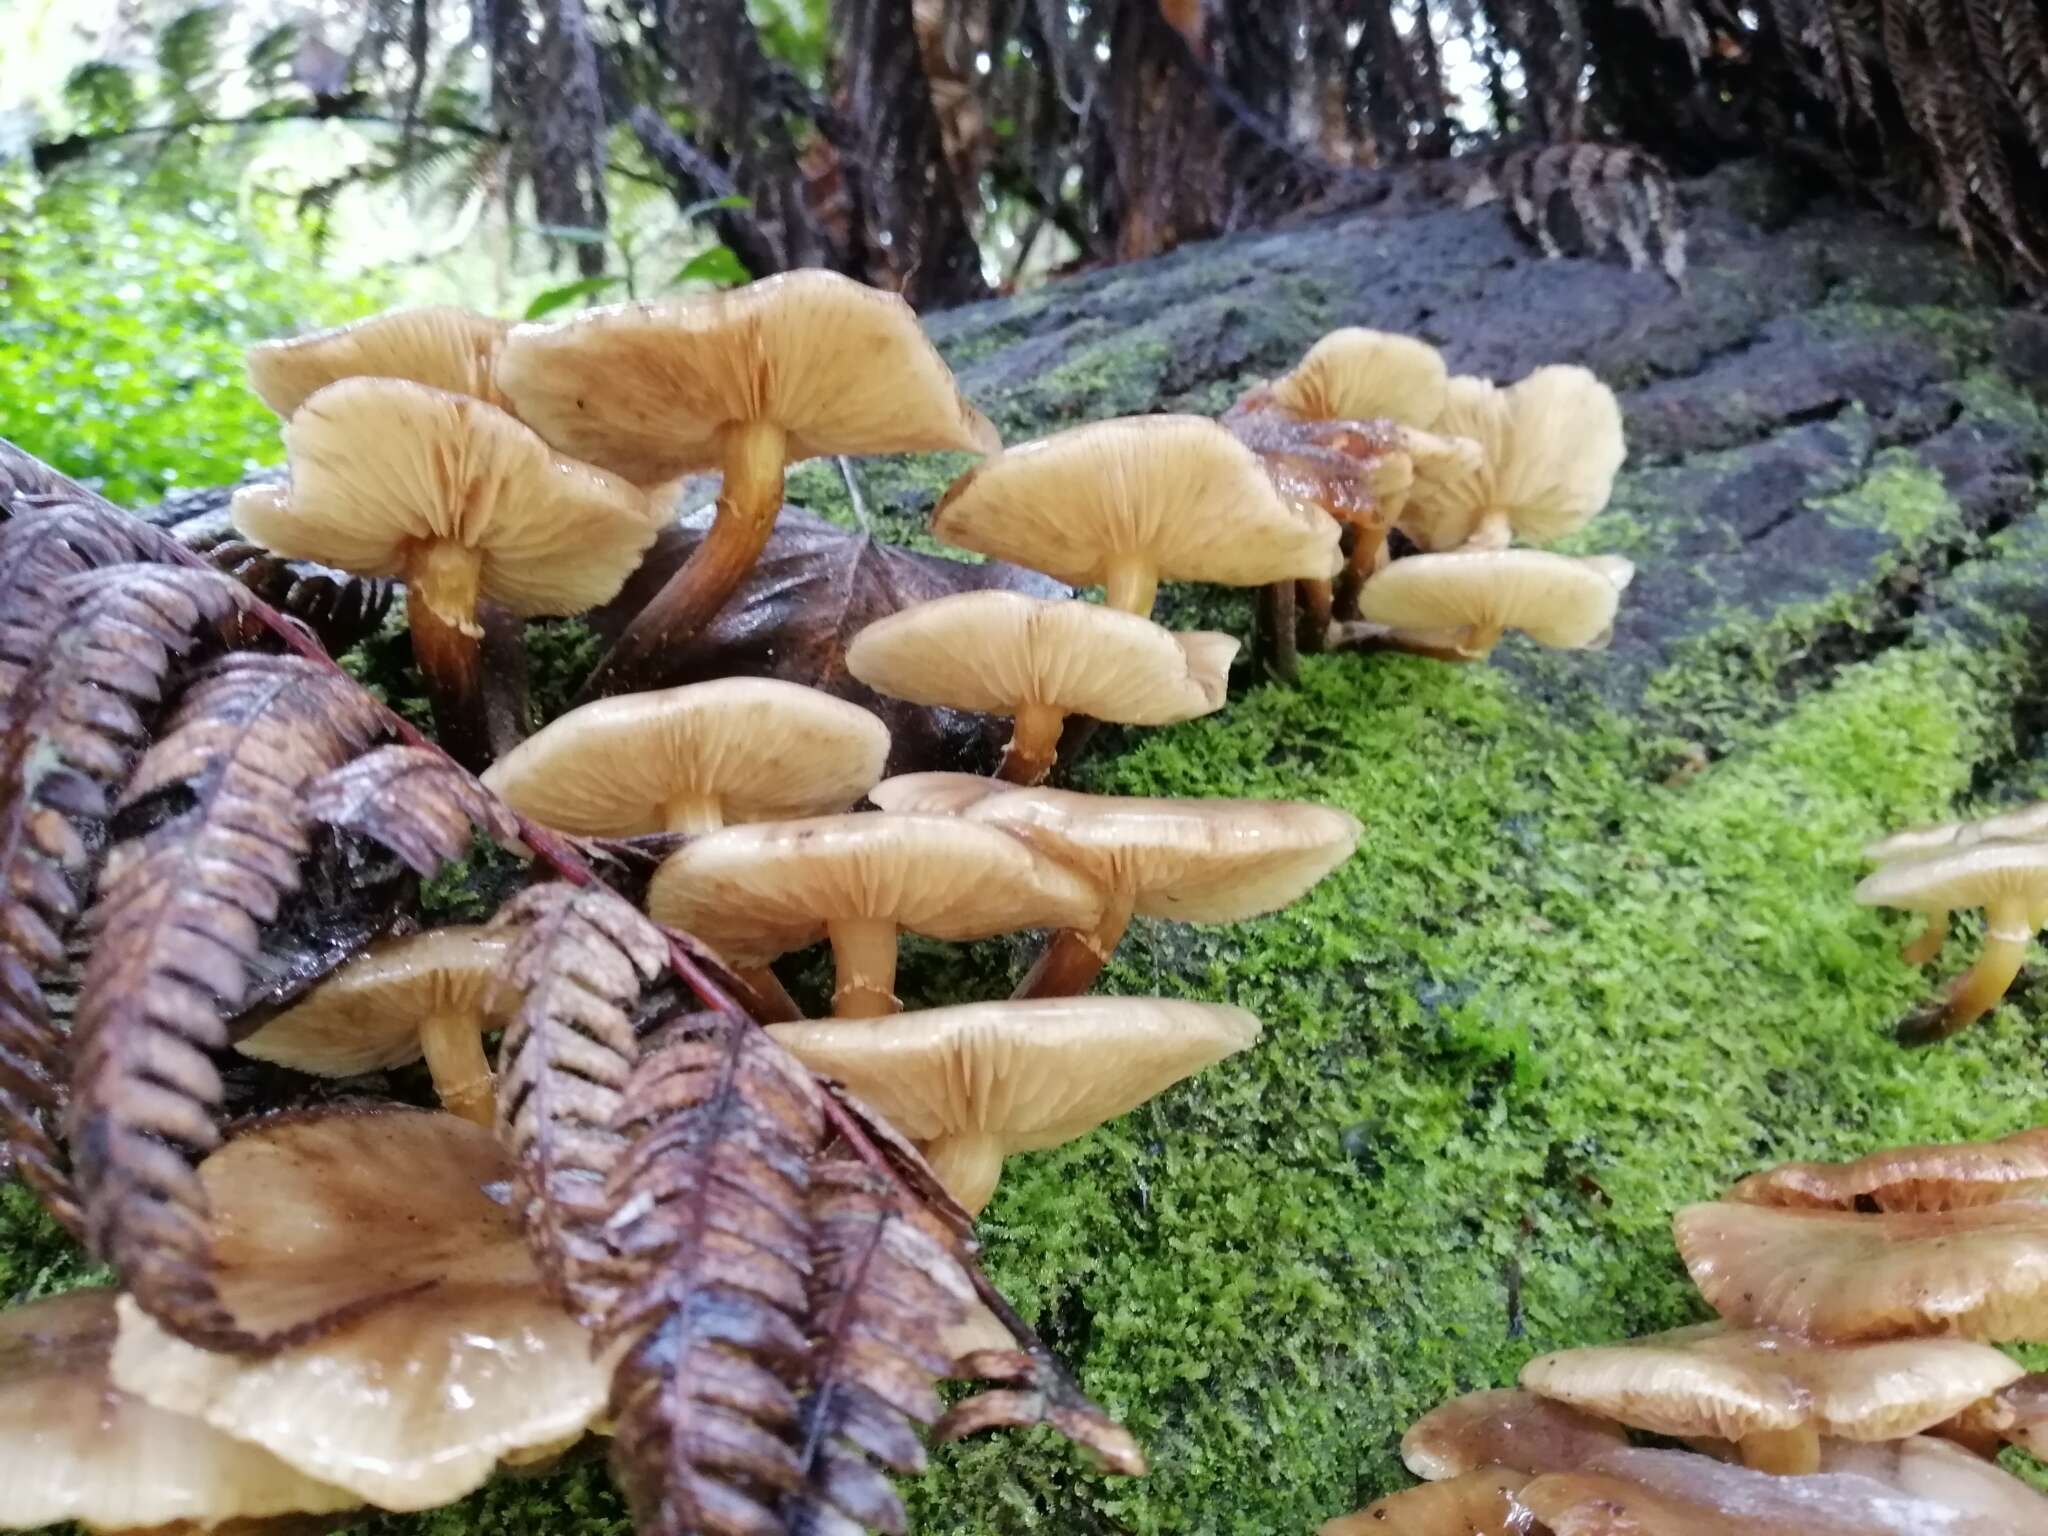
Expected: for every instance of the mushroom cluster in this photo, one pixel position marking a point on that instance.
(1850, 1387)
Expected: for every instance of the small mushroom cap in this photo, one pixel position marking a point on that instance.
(1505, 1428)
(440, 346)
(415, 1403)
(1940, 1177)
(1195, 861)
(1358, 375)
(367, 1016)
(2022, 824)
(1914, 842)
(1980, 1273)
(1176, 494)
(1000, 652)
(74, 1447)
(647, 389)
(936, 794)
(760, 891)
(381, 466)
(1477, 1503)
(1941, 1473)
(1967, 877)
(1729, 1383)
(754, 748)
(1452, 492)
(1028, 1075)
(1556, 600)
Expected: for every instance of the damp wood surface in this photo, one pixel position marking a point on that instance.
(1596, 956)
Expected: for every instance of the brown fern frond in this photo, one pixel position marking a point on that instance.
(341, 609)
(2023, 34)
(414, 802)
(1584, 199)
(884, 1289)
(1035, 1390)
(711, 1214)
(580, 963)
(215, 837)
(26, 480)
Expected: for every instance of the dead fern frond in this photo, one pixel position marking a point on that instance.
(84, 707)
(1036, 1390)
(1585, 199)
(343, 610)
(414, 802)
(26, 480)
(580, 963)
(711, 1215)
(214, 838)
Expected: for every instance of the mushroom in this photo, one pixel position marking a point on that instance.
(1477, 1503)
(694, 759)
(1925, 1468)
(2008, 880)
(1358, 375)
(1460, 605)
(465, 1360)
(1550, 446)
(976, 1083)
(746, 382)
(1505, 1429)
(2023, 824)
(459, 500)
(74, 1447)
(1038, 661)
(1191, 861)
(1773, 1394)
(1124, 504)
(431, 994)
(1980, 1273)
(2017, 1414)
(1941, 1177)
(440, 346)
(760, 891)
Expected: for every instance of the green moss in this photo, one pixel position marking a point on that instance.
(1900, 497)
(560, 654)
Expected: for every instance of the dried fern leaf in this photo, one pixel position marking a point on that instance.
(581, 962)
(884, 1289)
(26, 479)
(84, 707)
(1037, 1390)
(341, 609)
(711, 1215)
(414, 802)
(215, 839)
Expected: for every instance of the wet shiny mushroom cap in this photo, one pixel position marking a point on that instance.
(1355, 374)
(1977, 876)
(1175, 497)
(760, 891)
(74, 1447)
(439, 345)
(1001, 652)
(1945, 1474)
(1556, 600)
(646, 389)
(1476, 1503)
(1505, 1428)
(694, 758)
(1939, 1177)
(1979, 1273)
(2021, 824)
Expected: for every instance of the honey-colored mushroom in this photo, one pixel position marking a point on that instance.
(760, 891)
(1477, 1503)
(431, 994)
(2021, 824)
(439, 345)
(977, 1083)
(748, 382)
(1505, 1428)
(1355, 374)
(1460, 605)
(466, 1361)
(2016, 1414)
(1944, 1176)
(1039, 661)
(694, 759)
(1940, 1473)
(74, 1447)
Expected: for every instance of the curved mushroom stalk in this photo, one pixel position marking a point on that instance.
(969, 1166)
(1315, 611)
(2009, 929)
(1034, 745)
(441, 582)
(1074, 957)
(1925, 947)
(454, 1049)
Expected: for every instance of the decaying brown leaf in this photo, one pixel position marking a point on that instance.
(26, 480)
(342, 609)
(414, 802)
(814, 588)
(214, 837)
(1037, 1390)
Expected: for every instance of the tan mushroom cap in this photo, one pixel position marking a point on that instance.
(73, 1447)
(647, 389)
(1734, 1383)
(1980, 1273)
(1938, 1177)
(937, 794)
(1175, 497)
(979, 1082)
(694, 758)
(1977, 876)
(2021, 824)
(1477, 1503)
(1355, 374)
(381, 468)
(1194, 861)
(367, 1016)
(1002, 652)
(414, 1404)
(1925, 1468)
(1554, 599)
(759, 891)
(439, 345)
(1505, 1428)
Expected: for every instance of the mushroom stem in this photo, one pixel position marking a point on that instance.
(1493, 531)
(1276, 625)
(748, 501)
(771, 1001)
(1034, 745)
(1787, 1452)
(1132, 585)
(1922, 949)
(693, 814)
(2008, 930)
(1480, 639)
(864, 967)
(1074, 957)
(1317, 610)
(441, 584)
(1367, 554)
(454, 1047)
(969, 1166)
